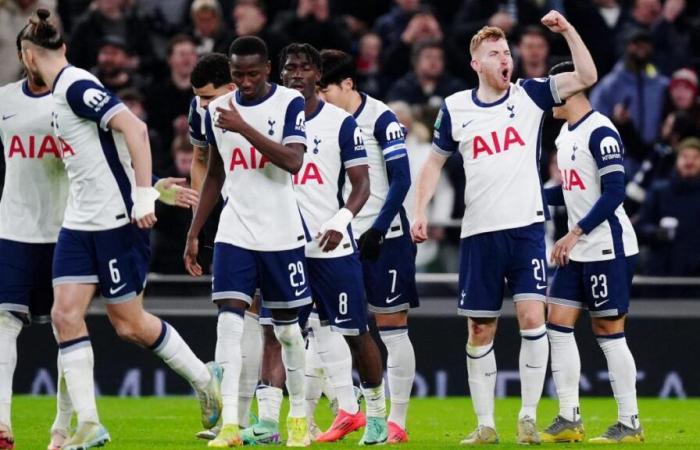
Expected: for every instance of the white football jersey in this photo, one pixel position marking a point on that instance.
(586, 151)
(36, 185)
(261, 211)
(500, 145)
(384, 141)
(334, 144)
(96, 158)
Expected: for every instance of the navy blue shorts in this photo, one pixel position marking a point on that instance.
(281, 276)
(25, 280)
(390, 282)
(516, 255)
(602, 287)
(115, 259)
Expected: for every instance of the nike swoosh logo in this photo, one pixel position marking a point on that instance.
(342, 320)
(392, 299)
(541, 286)
(113, 291)
(298, 292)
(598, 304)
(464, 124)
(533, 367)
(255, 433)
(8, 116)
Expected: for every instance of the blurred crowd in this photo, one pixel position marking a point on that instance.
(413, 54)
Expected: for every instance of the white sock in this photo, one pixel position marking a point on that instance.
(251, 358)
(175, 352)
(481, 369)
(566, 369)
(401, 371)
(269, 403)
(229, 331)
(77, 360)
(623, 377)
(289, 336)
(375, 400)
(314, 378)
(337, 362)
(64, 405)
(10, 327)
(534, 353)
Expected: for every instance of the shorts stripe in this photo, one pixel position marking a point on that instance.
(121, 299)
(236, 295)
(16, 307)
(78, 279)
(478, 313)
(346, 331)
(527, 296)
(287, 305)
(604, 313)
(565, 302)
(389, 310)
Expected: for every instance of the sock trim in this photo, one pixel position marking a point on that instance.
(74, 344)
(392, 331)
(371, 385)
(559, 328)
(285, 322)
(610, 336)
(480, 356)
(161, 337)
(228, 309)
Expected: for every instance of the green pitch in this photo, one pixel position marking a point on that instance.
(170, 423)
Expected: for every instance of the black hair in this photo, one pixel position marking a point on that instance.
(424, 44)
(130, 95)
(301, 49)
(336, 65)
(566, 66)
(534, 30)
(179, 39)
(211, 68)
(248, 45)
(39, 31)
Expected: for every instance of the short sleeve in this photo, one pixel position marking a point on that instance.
(92, 101)
(606, 147)
(209, 129)
(294, 130)
(352, 147)
(390, 136)
(196, 124)
(443, 143)
(542, 91)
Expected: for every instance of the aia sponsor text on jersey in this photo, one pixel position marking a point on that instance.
(37, 147)
(495, 142)
(254, 160)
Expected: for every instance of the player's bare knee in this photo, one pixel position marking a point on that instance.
(564, 316)
(603, 326)
(65, 318)
(531, 317)
(481, 331)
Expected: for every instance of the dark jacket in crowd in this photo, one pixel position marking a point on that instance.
(408, 89)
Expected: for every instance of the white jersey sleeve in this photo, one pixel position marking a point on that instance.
(500, 146)
(586, 152)
(334, 145)
(36, 186)
(98, 163)
(261, 211)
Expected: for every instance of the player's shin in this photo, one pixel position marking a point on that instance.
(481, 370)
(229, 331)
(566, 369)
(64, 405)
(534, 352)
(175, 352)
(77, 361)
(314, 378)
(337, 362)
(401, 371)
(251, 358)
(623, 376)
(10, 327)
(288, 334)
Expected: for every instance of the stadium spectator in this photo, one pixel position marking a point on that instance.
(683, 92)
(169, 234)
(110, 18)
(134, 100)
(113, 67)
(601, 24)
(208, 27)
(13, 16)
(533, 54)
(370, 78)
(634, 92)
(509, 15)
(644, 14)
(250, 19)
(396, 57)
(168, 102)
(312, 23)
(671, 216)
(428, 84)
(672, 34)
(391, 25)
